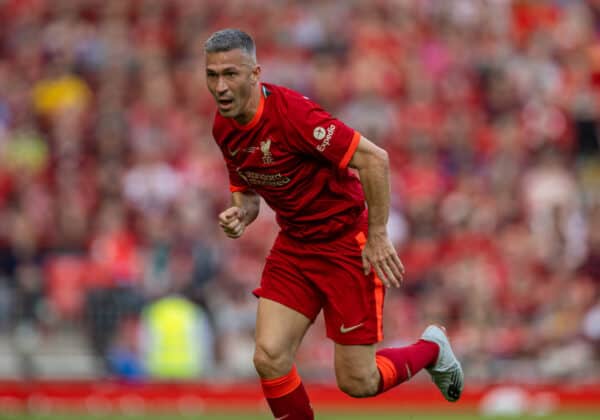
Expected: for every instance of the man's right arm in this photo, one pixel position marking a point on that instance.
(244, 209)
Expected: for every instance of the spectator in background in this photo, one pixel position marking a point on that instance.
(177, 340)
(553, 209)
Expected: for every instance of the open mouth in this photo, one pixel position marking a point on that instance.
(225, 103)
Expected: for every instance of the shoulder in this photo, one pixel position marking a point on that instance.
(289, 98)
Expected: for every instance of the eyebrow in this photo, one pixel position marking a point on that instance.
(226, 69)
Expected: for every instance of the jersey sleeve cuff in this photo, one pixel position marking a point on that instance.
(351, 149)
(236, 188)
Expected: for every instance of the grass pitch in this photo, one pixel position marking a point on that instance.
(320, 416)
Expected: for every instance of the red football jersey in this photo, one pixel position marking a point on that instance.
(295, 155)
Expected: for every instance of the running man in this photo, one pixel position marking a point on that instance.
(331, 253)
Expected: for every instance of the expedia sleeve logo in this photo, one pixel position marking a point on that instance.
(320, 133)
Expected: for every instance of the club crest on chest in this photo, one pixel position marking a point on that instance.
(265, 147)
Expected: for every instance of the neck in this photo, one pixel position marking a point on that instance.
(251, 107)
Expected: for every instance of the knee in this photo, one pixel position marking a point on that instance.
(271, 362)
(358, 386)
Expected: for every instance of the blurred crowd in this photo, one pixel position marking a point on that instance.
(110, 181)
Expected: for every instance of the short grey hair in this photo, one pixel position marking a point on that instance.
(230, 39)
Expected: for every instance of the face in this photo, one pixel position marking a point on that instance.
(231, 77)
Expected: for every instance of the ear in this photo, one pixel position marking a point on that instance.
(255, 76)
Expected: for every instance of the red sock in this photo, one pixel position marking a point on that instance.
(287, 397)
(397, 365)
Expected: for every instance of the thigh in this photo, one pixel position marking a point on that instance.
(354, 362)
(284, 281)
(354, 301)
(279, 329)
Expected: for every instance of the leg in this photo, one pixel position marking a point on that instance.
(279, 331)
(362, 372)
(356, 371)
(353, 315)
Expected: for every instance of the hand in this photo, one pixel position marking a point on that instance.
(379, 254)
(231, 221)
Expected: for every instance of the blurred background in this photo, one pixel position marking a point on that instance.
(111, 261)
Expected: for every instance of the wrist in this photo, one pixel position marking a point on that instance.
(377, 231)
(242, 215)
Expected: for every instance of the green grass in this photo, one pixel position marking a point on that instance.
(320, 416)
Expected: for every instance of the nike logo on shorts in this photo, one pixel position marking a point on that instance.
(282, 417)
(345, 330)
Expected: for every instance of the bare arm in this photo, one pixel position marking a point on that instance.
(379, 254)
(244, 209)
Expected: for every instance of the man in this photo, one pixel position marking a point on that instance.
(331, 253)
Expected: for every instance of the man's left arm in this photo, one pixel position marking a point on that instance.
(372, 163)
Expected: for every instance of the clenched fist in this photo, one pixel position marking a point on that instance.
(232, 222)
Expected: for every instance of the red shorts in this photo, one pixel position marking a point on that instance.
(309, 276)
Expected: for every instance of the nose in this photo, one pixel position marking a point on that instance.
(221, 85)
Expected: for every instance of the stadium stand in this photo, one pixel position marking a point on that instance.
(110, 183)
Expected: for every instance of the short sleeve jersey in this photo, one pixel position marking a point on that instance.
(295, 155)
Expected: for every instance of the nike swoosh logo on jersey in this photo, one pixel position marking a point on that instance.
(234, 152)
(282, 417)
(345, 330)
